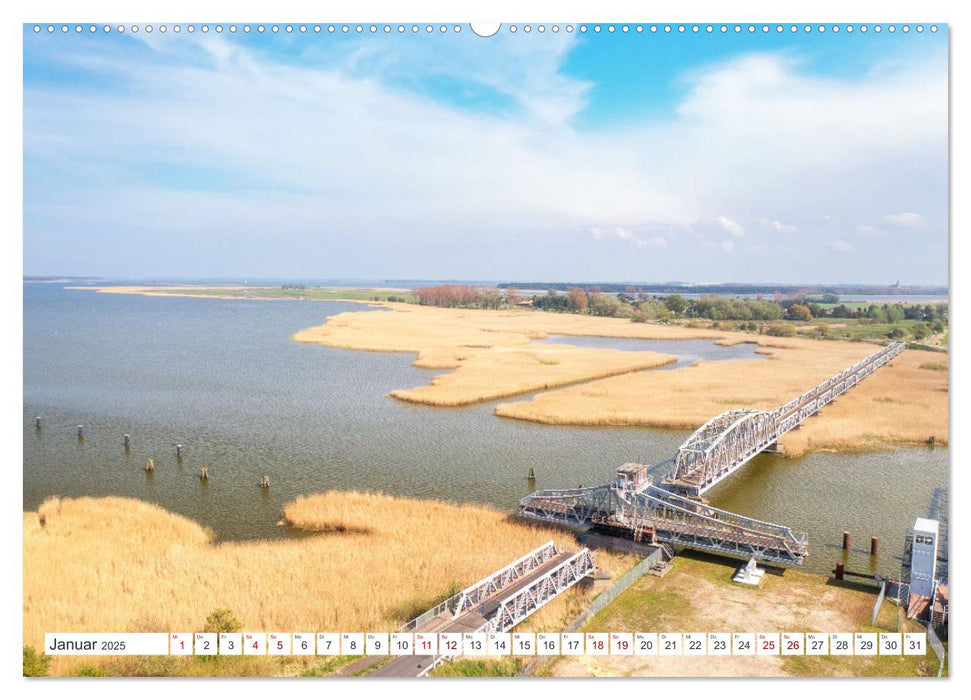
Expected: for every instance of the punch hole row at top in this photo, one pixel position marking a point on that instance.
(486, 30)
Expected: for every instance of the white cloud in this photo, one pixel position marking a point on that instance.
(906, 219)
(341, 147)
(601, 233)
(778, 226)
(733, 227)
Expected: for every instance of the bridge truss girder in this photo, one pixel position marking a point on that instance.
(523, 603)
(731, 439)
(475, 594)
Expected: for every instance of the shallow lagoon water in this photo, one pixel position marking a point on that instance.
(223, 378)
(687, 351)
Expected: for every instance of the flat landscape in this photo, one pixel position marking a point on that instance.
(491, 356)
(490, 351)
(365, 562)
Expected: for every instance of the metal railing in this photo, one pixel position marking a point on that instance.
(876, 606)
(490, 585)
(731, 439)
(714, 451)
(608, 596)
(517, 607)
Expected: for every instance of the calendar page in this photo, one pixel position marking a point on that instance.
(422, 348)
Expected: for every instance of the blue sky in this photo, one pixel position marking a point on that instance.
(639, 157)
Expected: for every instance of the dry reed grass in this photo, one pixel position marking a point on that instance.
(115, 564)
(490, 353)
(687, 397)
(503, 372)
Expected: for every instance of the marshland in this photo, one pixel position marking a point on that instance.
(226, 379)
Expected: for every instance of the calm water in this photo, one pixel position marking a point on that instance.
(687, 351)
(224, 379)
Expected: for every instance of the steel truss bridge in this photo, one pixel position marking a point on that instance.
(497, 603)
(672, 511)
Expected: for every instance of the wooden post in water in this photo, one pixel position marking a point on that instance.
(265, 482)
(127, 441)
(846, 540)
(874, 546)
(37, 422)
(150, 465)
(80, 432)
(204, 474)
(532, 474)
(839, 570)
(178, 452)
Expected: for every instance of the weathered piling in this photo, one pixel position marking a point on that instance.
(846, 540)
(37, 422)
(127, 441)
(874, 546)
(80, 432)
(265, 482)
(204, 474)
(150, 465)
(532, 474)
(178, 451)
(838, 571)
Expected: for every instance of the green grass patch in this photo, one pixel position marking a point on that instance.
(479, 668)
(935, 366)
(328, 666)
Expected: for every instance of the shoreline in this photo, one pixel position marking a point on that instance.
(489, 356)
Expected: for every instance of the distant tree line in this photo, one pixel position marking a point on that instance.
(731, 288)
(460, 296)
(757, 315)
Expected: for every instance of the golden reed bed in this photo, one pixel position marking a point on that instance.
(117, 564)
(491, 356)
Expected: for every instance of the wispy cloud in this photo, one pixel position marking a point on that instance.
(778, 227)
(907, 219)
(392, 157)
(601, 233)
(733, 227)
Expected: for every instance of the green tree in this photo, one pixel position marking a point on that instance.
(676, 304)
(920, 330)
(605, 305)
(799, 312)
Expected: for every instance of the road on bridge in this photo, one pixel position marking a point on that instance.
(471, 621)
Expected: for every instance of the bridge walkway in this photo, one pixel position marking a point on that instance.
(471, 621)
